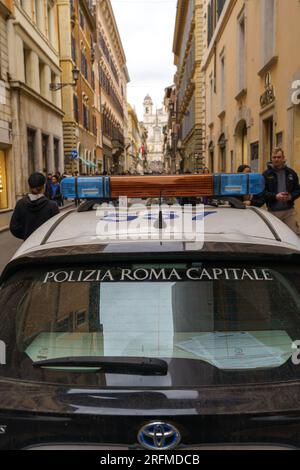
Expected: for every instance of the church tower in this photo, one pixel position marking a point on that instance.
(148, 108)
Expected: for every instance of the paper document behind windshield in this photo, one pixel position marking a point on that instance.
(240, 349)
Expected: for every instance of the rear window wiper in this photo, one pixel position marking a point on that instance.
(114, 365)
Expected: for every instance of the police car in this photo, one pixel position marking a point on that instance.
(123, 331)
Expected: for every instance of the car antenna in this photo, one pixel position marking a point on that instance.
(161, 223)
(160, 216)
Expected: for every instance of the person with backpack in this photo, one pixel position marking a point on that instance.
(32, 210)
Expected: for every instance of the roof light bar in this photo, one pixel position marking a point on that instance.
(105, 187)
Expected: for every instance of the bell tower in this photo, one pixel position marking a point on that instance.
(148, 107)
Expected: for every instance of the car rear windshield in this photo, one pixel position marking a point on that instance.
(211, 322)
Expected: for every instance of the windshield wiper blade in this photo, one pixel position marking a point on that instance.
(114, 365)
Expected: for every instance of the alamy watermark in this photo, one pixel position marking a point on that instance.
(296, 93)
(296, 353)
(155, 222)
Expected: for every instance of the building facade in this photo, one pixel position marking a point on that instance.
(36, 114)
(135, 160)
(172, 156)
(252, 73)
(82, 134)
(154, 123)
(188, 48)
(6, 156)
(113, 77)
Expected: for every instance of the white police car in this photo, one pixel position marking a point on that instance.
(159, 343)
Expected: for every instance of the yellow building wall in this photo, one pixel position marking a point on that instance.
(287, 69)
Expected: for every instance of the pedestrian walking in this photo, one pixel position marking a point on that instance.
(244, 169)
(48, 184)
(32, 210)
(58, 175)
(55, 193)
(281, 190)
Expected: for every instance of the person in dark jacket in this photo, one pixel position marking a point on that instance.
(55, 193)
(33, 210)
(281, 190)
(48, 183)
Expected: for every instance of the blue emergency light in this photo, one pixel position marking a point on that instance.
(238, 184)
(102, 187)
(86, 187)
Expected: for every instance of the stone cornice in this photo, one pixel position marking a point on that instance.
(116, 39)
(182, 7)
(36, 96)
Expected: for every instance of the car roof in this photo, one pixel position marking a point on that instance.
(223, 228)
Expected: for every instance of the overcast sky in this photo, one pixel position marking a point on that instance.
(146, 28)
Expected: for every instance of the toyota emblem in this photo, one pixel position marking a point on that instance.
(159, 436)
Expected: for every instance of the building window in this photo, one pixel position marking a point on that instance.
(268, 30)
(232, 161)
(43, 85)
(210, 22)
(56, 153)
(254, 155)
(51, 22)
(36, 9)
(81, 18)
(94, 125)
(26, 65)
(210, 104)
(84, 65)
(75, 108)
(86, 117)
(45, 150)
(220, 6)
(268, 137)
(222, 145)
(73, 45)
(222, 85)
(279, 139)
(241, 68)
(211, 157)
(3, 181)
(31, 150)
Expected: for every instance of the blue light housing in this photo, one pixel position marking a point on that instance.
(238, 184)
(97, 187)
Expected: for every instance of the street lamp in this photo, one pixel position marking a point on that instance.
(59, 86)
